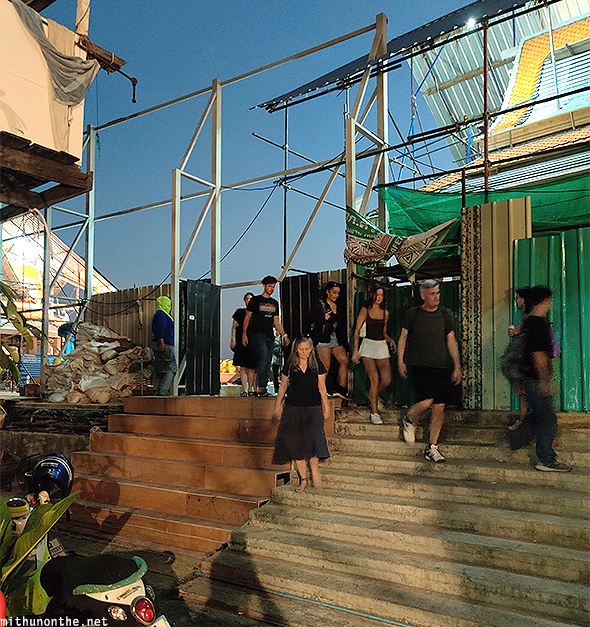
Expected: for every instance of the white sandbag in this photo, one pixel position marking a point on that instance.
(108, 354)
(95, 380)
(57, 397)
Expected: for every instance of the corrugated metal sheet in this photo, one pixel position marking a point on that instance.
(127, 312)
(442, 26)
(563, 263)
(130, 312)
(397, 301)
(453, 87)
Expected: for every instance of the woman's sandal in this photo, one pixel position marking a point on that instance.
(303, 485)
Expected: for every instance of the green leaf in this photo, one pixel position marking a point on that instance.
(30, 538)
(7, 291)
(6, 533)
(10, 364)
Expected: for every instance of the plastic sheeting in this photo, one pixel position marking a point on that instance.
(555, 204)
(70, 76)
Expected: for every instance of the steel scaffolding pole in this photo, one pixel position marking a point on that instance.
(46, 296)
(90, 204)
(216, 180)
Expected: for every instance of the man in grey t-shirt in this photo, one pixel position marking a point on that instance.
(427, 341)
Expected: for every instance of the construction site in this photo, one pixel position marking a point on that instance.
(494, 195)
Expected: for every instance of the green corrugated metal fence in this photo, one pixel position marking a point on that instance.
(562, 262)
(397, 301)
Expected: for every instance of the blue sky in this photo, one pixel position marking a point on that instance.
(177, 47)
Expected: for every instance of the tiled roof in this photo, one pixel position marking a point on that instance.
(532, 55)
(571, 138)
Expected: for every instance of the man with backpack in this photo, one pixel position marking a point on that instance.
(535, 379)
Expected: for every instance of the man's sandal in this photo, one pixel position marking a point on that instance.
(303, 485)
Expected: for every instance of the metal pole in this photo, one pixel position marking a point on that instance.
(382, 119)
(286, 164)
(216, 180)
(46, 295)
(90, 199)
(548, 10)
(175, 267)
(486, 120)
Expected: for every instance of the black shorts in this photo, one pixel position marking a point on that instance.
(432, 383)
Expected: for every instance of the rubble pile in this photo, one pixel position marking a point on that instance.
(104, 366)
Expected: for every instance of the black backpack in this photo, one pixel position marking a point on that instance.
(513, 360)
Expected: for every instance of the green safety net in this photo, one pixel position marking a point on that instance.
(554, 204)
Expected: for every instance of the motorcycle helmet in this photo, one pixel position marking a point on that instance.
(53, 473)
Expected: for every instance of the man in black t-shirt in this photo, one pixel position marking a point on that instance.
(541, 420)
(262, 317)
(427, 341)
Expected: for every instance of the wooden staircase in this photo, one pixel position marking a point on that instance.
(484, 540)
(184, 472)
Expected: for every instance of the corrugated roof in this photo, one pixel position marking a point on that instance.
(453, 87)
(436, 29)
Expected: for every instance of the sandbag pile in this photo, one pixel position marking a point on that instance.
(104, 366)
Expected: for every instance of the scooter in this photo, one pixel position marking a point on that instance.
(100, 590)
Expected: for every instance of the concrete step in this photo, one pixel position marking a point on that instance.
(377, 598)
(527, 558)
(204, 504)
(368, 446)
(251, 481)
(578, 437)
(521, 497)
(267, 606)
(456, 417)
(443, 513)
(562, 600)
(220, 452)
(259, 430)
(464, 470)
(104, 520)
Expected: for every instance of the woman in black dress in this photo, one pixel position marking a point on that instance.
(242, 357)
(302, 406)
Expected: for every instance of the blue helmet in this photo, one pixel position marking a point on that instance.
(53, 473)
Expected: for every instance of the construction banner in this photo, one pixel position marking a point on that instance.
(416, 249)
(365, 243)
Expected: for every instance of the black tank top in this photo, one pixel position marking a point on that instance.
(374, 328)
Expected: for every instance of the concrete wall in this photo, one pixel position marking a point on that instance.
(27, 106)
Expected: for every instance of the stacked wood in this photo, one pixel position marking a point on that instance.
(104, 366)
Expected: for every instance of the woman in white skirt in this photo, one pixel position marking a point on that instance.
(375, 346)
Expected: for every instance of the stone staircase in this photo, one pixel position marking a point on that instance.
(184, 472)
(484, 540)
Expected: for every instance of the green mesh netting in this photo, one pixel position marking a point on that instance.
(554, 204)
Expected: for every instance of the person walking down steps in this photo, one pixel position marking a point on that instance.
(427, 344)
(302, 407)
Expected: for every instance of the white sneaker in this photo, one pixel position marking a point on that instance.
(380, 404)
(409, 432)
(434, 455)
(376, 419)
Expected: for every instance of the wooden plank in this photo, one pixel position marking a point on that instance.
(59, 193)
(42, 168)
(13, 141)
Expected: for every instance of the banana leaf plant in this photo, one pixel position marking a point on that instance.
(9, 355)
(19, 579)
